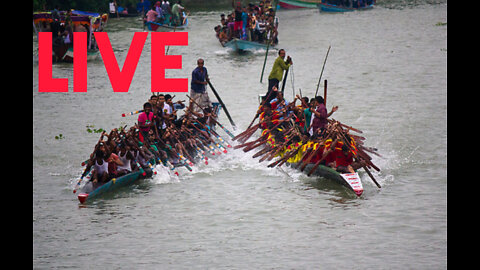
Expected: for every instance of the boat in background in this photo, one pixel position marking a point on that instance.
(154, 26)
(331, 8)
(292, 4)
(91, 21)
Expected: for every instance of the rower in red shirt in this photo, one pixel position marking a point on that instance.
(344, 160)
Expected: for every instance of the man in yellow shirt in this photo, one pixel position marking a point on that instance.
(276, 74)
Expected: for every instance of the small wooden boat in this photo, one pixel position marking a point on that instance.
(244, 45)
(350, 180)
(89, 192)
(292, 4)
(324, 7)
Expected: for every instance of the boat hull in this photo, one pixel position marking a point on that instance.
(333, 8)
(350, 180)
(243, 45)
(294, 4)
(87, 194)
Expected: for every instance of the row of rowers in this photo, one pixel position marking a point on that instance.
(159, 134)
(307, 127)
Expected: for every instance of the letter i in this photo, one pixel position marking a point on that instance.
(80, 62)
(45, 81)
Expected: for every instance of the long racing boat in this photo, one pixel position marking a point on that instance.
(215, 146)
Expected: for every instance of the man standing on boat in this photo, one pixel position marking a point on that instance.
(276, 74)
(320, 115)
(198, 87)
(176, 9)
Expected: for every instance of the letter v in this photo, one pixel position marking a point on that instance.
(120, 80)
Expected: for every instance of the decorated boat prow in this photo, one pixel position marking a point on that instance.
(350, 180)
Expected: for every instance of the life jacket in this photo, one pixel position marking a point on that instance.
(331, 156)
(319, 154)
(341, 159)
(271, 139)
(296, 158)
(353, 145)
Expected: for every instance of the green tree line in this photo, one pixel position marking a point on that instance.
(102, 5)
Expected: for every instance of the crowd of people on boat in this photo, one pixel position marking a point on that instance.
(62, 27)
(302, 134)
(160, 136)
(164, 13)
(252, 22)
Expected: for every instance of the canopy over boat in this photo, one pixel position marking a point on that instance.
(78, 18)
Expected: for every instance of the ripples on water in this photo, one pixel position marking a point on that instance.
(386, 71)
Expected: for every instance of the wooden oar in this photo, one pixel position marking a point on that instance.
(261, 105)
(215, 120)
(223, 104)
(321, 73)
(347, 143)
(131, 113)
(245, 132)
(268, 44)
(284, 80)
(265, 60)
(325, 93)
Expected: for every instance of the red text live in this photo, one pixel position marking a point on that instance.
(119, 79)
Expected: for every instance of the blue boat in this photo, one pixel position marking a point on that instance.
(244, 45)
(89, 191)
(324, 7)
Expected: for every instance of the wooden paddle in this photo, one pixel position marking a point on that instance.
(223, 104)
(265, 60)
(321, 73)
(215, 120)
(261, 105)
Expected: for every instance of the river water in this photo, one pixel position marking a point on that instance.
(386, 71)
